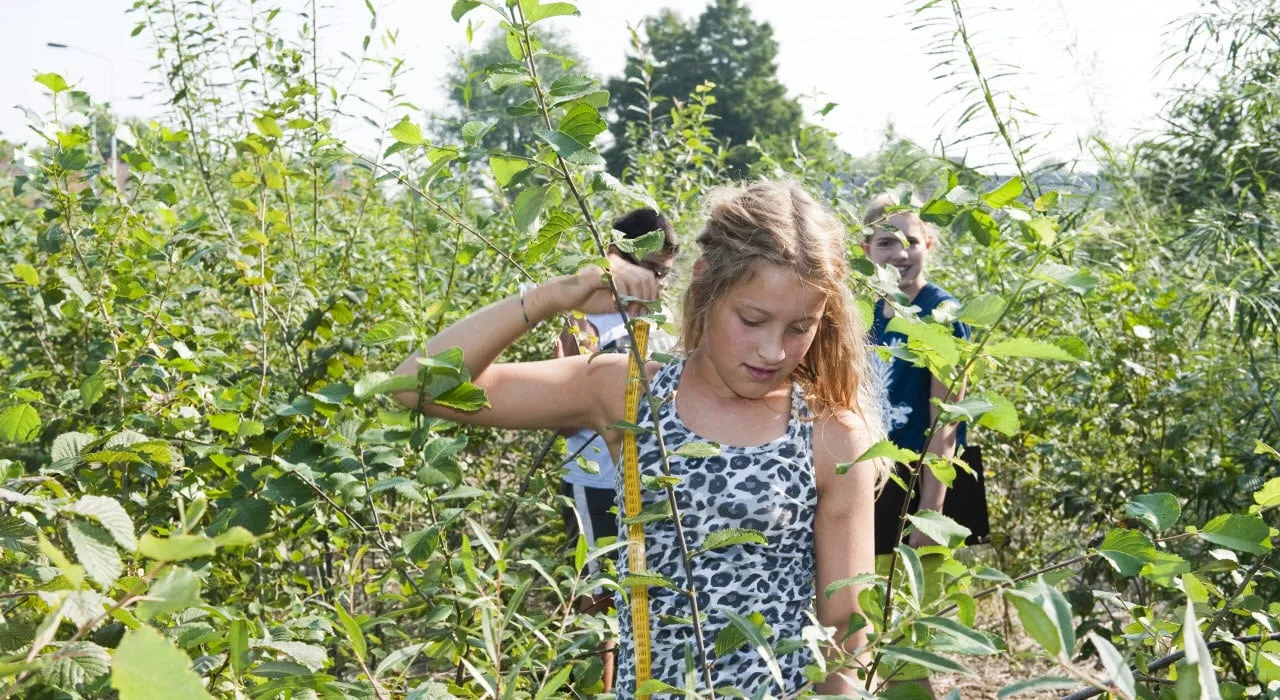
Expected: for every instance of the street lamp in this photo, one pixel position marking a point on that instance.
(111, 94)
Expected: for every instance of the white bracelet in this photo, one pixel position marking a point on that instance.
(525, 288)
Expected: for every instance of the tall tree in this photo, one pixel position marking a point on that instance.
(725, 46)
(472, 100)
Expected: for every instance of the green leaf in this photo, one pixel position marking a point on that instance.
(1005, 193)
(19, 424)
(653, 686)
(858, 580)
(927, 659)
(268, 126)
(53, 81)
(1046, 201)
(1041, 229)
(886, 448)
(1269, 494)
(1035, 620)
(96, 551)
(1243, 533)
(933, 337)
(388, 331)
(548, 236)
(309, 655)
(571, 149)
(1262, 448)
(110, 514)
(473, 131)
(27, 273)
(238, 646)
(354, 633)
(536, 12)
(1127, 550)
(648, 580)
(983, 311)
(528, 206)
(1159, 511)
(228, 423)
(977, 223)
(1055, 605)
(147, 666)
(408, 133)
(16, 534)
(696, 450)
(966, 640)
(66, 450)
(176, 547)
(73, 573)
(758, 641)
(506, 167)
(731, 638)
(1118, 671)
(1032, 685)
(1198, 655)
(583, 122)
(462, 7)
(728, 537)
(1002, 418)
(463, 397)
(914, 572)
(940, 528)
(549, 689)
(77, 662)
(1026, 347)
(234, 536)
(177, 589)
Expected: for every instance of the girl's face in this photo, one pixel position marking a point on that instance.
(759, 332)
(885, 247)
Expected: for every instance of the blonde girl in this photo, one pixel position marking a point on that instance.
(774, 373)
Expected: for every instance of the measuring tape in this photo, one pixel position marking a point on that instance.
(631, 491)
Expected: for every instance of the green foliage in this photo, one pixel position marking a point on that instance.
(207, 490)
(725, 48)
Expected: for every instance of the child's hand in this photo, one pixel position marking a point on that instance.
(634, 281)
(589, 293)
(586, 292)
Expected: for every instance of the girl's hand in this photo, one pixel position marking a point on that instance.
(586, 292)
(634, 281)
(589, 293)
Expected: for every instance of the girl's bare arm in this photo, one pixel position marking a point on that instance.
(570, 392)
(844, 529)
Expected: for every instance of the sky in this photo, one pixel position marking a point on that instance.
(1082, 67)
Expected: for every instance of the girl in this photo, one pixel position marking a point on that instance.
(774, 372)
(903, 240)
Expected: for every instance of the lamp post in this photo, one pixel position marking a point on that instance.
(111, 93)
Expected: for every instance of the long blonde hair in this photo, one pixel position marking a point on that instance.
(779, 223)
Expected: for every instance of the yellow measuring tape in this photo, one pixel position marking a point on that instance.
(631, 491)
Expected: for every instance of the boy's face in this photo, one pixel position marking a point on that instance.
(886, 247)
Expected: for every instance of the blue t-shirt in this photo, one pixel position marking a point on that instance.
(906, 386)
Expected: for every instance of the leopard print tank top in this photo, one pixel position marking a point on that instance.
(769, 488)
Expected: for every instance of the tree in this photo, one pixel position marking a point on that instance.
(472, 100)
(725, 47)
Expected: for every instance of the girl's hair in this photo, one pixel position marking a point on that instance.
(878, 213)
(778, 223)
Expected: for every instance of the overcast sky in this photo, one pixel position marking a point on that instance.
(1084, 66)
